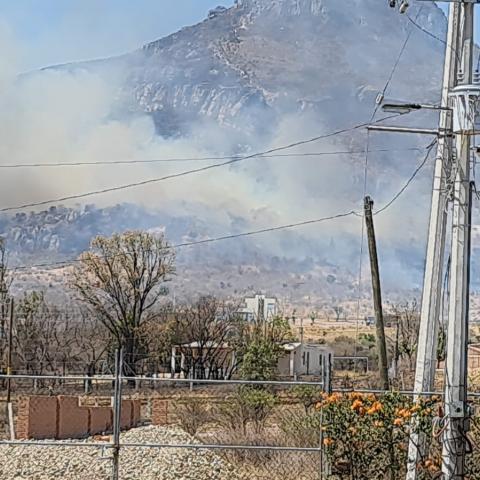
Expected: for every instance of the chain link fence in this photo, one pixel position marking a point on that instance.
(218, 429)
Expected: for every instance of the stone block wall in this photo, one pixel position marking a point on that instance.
(42, 417)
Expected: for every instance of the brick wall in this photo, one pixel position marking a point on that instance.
(37, 417)
(126, 414)
(159, 412)
(101, 420)
(62, 417)
(73, 420)
(136, 412)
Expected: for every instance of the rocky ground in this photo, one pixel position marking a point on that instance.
(79, 463)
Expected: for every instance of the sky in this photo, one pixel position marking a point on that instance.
(57, 31)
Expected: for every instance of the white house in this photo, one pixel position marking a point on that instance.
(253, 306)
(220, 362)
(304, 360)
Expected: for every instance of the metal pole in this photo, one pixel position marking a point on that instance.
(9, 372)
(377, 295)
(117, 410)
(454, 438)
(432, 282)
(388, 128)
(9, 351)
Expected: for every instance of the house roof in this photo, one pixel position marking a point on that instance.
(209, 344)
(288, 347)
(291, 346)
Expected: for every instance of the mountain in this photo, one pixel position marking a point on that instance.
(247, 66)
(269, 72)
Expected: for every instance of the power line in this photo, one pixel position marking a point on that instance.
(410, 180)
(197, 159)
(365, 182)
(432, 35)
(395, 65)
(263, 230)
(196, 170)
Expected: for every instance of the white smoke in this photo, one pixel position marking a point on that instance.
(58, 115)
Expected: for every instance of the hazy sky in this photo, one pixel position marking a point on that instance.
(56, 31)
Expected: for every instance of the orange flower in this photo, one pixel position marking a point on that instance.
(376, 407)
(327, 441)
(355, 396)
(398, 421)
(334, 397)
(357, 404)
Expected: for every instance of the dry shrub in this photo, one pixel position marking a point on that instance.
(192, 414)
(301, 429)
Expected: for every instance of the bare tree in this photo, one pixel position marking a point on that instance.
(159, 333)
(121, 279)
(92, 341)
(338, 311)
(212, 333)
(408, 322)
(5, 284)
(44, 336)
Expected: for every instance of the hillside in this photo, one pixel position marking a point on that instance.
(258, 74)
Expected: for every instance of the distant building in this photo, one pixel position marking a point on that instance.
(219, 361)
(302, 359)
(253, 307)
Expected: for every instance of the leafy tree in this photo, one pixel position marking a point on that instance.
(121, 279)
(308, 395)
(263, 348)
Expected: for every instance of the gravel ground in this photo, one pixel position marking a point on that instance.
(77, 463)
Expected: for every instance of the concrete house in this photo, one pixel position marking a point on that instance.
(297, 360)
(304, 360)
(253, 307)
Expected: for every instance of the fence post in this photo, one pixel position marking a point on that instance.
(117, 410)
(327, 373)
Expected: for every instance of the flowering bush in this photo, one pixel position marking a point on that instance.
(366, 437)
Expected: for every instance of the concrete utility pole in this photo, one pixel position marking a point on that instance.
(465, 97)
(432, 283)
(377, 295)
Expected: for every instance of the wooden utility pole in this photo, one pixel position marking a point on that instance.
(377, 295)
